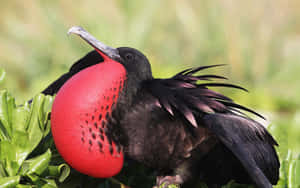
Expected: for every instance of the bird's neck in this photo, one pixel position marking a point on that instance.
(127, 96)
(125, 102)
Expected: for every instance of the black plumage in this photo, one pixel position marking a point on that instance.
(184, 130)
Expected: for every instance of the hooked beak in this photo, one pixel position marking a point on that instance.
(105, 51)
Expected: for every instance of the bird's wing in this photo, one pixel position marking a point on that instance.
(185, 96)
(250, 142)
(88, 60)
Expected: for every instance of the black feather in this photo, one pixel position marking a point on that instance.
(88, 60)
(250, 143)
(201, 68)
(208, 76)
(222, 85)
(212, 94)
(175, 92)
(234, 105)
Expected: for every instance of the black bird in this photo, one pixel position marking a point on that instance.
(178, 126)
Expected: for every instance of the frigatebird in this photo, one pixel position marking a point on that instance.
(109, 107)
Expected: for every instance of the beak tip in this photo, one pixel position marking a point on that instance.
(75, 30)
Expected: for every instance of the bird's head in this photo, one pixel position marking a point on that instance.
(136, 63)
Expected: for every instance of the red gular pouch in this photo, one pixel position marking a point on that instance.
(79, 119)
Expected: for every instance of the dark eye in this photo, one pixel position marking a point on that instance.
(129, 56)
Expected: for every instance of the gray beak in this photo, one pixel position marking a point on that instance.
(107, 51)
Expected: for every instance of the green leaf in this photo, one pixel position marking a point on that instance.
(37, 127)
(33, 125)
(14, 145)
(169, 186)
(8, 157)
(49, 183)
(23, 186)
(46, 109)
(34, 178)
(291, 180)
(294, 173)
(43, 182)
(62, 171)
(37, 165)
(20, 141)
(6, 105)
(297, 172)
(283, 180)
(21, 130)
(2, 75)
(9, 182)
(3, 172)
(19, 117)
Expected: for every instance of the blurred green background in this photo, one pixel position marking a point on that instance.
(258, 39)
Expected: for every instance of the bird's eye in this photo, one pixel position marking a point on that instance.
(129, 56)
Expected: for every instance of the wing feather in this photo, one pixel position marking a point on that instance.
(184, 94)
(250, 142)
(88, 60)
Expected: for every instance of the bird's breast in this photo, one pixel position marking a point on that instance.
(80, 115)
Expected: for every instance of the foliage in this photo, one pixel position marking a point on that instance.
(289, 172)
(23, 129)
